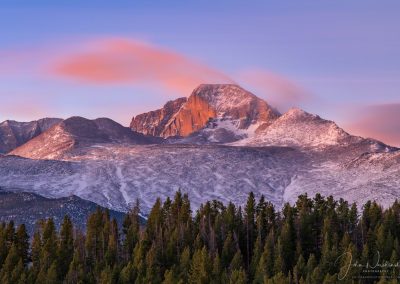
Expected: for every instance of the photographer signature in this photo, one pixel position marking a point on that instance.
(347, 257)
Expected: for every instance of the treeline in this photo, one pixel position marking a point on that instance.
(316, 240)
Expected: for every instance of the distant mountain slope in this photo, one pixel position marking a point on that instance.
(14, 133)
(297, 128)
(211, 104)
(76, 132)
(115, 175)
(28, 208)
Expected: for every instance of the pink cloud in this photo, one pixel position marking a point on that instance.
(377, 121)
(128, 61)
(279, 91)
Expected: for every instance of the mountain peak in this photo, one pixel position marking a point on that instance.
(224, 97)
(297, 127)
(207, 103)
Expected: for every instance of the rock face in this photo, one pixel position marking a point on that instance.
(77, 132)
(154, 122)
(14, 133)
(208, 104)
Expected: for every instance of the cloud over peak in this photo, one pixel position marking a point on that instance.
(129, 61)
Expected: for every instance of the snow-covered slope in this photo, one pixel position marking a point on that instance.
(115, 175)
(369, 176)
(299, 128)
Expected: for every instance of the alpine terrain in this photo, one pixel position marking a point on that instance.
(221, 142)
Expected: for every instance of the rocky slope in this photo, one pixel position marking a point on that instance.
(211, 107)
(78, 132)
(14, 133)
(154, 122)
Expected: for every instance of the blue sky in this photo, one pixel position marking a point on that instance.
(345, 55)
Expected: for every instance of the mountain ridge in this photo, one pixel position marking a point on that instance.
(76, 132)
(240, 149)
(14, 133)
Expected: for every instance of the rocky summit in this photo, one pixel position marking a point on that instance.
(208, 105)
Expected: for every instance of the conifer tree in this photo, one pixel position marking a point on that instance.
(200, 269)
(10, 263)
(65, 247)
(22, 243)
(250, 211)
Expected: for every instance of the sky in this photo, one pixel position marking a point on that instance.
(338, 59)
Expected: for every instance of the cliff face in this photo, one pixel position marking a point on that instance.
(193, 116)
(154, 122)
(207, 103)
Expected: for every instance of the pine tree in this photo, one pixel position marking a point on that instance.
(258, 250)
(169, 277)
(217, 270)
(287, 239)
(265, 268)
(35, 255)
(299, 270)
(238, 276)
(10, 263)
(76, 272)
(153, 271)
(111, 256)
(65, 247)
(48, 252)
(228, 250)
(237, 261)
(131, 230)
(22, 243)
(200, 269)
(250, 211)
(52, 275)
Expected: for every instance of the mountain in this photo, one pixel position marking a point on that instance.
(222, 143)
(297, 128)
(14, 133)
(77, 132)
(27, 208)
(224, 109)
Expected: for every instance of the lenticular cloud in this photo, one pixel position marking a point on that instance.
(111, 61)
